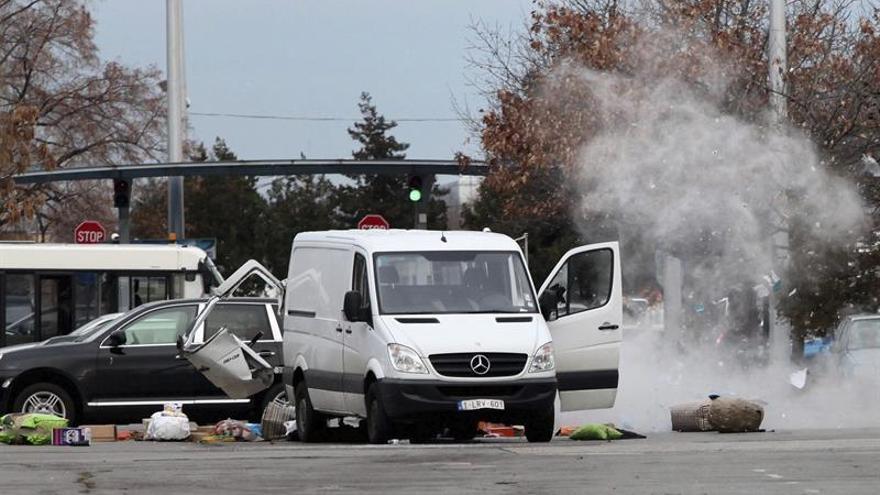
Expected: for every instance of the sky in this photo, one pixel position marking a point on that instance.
(313, 58)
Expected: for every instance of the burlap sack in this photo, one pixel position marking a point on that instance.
(729, 415)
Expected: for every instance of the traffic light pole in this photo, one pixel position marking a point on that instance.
(420, 208)
(124, 226)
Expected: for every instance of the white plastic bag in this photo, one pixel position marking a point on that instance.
(163, 427)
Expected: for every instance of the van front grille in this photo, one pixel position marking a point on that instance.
(459, 364)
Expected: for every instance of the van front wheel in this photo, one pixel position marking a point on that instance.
(379, 426)
(310, 425)
(539, 428)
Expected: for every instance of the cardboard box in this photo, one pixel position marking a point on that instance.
(79, 437)
(102, 433)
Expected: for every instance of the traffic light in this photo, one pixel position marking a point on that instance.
(121, 196)
(415, 188)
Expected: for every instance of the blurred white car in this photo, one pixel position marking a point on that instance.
(857, 346)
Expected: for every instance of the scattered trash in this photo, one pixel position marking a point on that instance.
(723, 414)
(733, 415)
(691, 416)
(595, 431)
(274, 420)
(29, 428)
(495, 430)
(585, 430)
(799, 378)
(290, 427)
(101, 433)
(169, 424)
(236, 431)
(72, 437)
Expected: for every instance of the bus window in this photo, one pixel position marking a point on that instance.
(109, 293)
(146, 289)
(87, 293)
(20, 305)
(56, 305)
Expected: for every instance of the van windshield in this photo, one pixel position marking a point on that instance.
(440, 282)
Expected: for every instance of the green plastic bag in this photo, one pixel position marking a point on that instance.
(595, 431)
(29, 428)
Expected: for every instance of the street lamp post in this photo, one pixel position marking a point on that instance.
(175, 95)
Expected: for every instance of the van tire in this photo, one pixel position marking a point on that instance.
(539, 427)
(380, 429)
(310, 425)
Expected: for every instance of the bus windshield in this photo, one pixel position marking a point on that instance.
(443, 282)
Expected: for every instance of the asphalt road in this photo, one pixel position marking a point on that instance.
(793, 462)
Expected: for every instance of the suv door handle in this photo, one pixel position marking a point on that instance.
(267, 353)
(339, 329)
(348, 330)
(608, 326)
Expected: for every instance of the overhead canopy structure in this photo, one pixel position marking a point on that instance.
(256, 168)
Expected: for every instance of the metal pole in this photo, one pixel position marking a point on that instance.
(778, 59)
(778, 63)
(175, 115)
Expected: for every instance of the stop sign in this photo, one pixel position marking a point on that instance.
(373, 221)
(89, 232)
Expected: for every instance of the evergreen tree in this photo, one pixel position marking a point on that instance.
(298, 203)
(386, 195)
(229, 208)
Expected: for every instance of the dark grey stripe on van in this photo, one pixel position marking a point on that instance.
(298, 312)
(335, 382)
(587, 380)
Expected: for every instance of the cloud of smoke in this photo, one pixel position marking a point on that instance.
(654, 377)
(682, 173)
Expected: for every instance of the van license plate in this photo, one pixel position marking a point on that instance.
(473, 404)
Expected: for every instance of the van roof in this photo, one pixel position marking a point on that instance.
(379, 240)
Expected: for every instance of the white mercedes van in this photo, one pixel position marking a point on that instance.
(416, 331)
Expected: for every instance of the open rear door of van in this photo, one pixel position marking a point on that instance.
(583, 304)
(226, 361)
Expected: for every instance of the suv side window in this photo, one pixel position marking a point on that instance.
(359, 280)
(245, 321)
(162, 326)
(584, 282)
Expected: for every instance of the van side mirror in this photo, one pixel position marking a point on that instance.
(351, 306)
(116, 339)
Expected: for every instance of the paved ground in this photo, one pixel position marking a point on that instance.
(801, 462)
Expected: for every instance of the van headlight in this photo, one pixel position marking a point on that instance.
(405, 359)
(543, 359)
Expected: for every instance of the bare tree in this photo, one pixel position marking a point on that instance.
(63, 107)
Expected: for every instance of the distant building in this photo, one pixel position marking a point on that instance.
(461, 190)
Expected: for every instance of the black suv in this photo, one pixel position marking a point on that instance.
(95, 377)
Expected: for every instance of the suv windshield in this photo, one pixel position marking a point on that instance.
(453, 282)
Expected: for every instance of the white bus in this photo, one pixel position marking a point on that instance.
(51, 289)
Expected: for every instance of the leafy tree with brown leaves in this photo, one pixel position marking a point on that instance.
(61, 106)
(530, 133)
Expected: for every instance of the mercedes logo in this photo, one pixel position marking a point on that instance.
(480, 364)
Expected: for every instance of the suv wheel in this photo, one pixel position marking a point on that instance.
(310, 425)
(379, 426)
(46, 398)
(539, 427)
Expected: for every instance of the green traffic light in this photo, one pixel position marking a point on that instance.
(415, 195)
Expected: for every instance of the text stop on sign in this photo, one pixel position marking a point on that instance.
(89, 232)
(373, 221)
